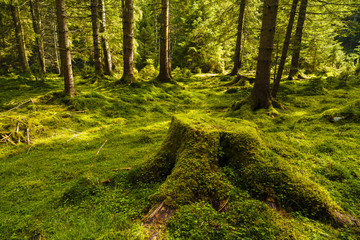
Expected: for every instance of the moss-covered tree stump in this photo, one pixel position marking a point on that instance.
(197, 149)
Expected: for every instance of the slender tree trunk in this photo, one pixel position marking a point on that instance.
(128, 41)
(261, 91)
(56, 49)
(164, 74)
(104, 41)
(19, 32)
(64, 45)
(96, 37)
(294, 69)
(285, 48)
(37, 25)
(237, 57)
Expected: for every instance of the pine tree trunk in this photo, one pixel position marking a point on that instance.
(19, 32)
(56, 49)
(104, 42)
(164, 74)
(285, 48)
(297, 41)
(237, 57)
(261, 91)
(96, 38)
(37, 25)
(128, 41)
(64, 45)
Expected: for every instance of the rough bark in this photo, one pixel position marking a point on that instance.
(37, 25)
(294, 69)
(128, 41)
(165, 72)
(285, 48)
(19, 33)
(261, 92)
(189, 166)
(96, 37)
(64, 45)
(237, 57)
(104, 41)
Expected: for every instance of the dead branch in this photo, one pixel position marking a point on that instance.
(97, 153)
(21, 105)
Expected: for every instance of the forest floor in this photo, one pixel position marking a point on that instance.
(64, 162)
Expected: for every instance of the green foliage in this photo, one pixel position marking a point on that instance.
(56, 188)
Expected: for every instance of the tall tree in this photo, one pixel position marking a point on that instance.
(128, 41)
(64, 45)
(37, 25)
(285, 49)
(294, 69)
(260, 94)
(237, 57)
(19, 33)
(165, 71)
(104, 41)
(96, 37)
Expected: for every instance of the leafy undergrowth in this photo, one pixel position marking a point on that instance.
(59, 181)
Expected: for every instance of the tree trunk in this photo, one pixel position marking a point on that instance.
(64, 45)
(37, 25)
(128, 41)
(297, 41)
(164, 74)
(104, 42)
(285, 48)
(19, 32)
(237, 57)
(56, 49)
(96, 38)
(261, 92)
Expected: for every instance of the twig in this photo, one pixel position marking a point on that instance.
(22, 104)
(224, 205)
(97, 153)
(118, 169)
(27, 136)
(70, 130)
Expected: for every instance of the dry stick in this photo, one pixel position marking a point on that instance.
(22, 104)
(224, 205)
(98, 153)
(27, 136)
(118, 169)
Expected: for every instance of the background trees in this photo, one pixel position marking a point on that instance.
(204, 35)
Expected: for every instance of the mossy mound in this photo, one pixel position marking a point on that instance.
(203, 160)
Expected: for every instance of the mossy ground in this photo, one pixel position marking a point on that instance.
(56, 188)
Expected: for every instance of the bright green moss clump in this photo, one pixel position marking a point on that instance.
(194, 152)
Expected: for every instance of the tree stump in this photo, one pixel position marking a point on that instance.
(197, 149)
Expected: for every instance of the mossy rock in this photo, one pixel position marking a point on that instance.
(192, 158)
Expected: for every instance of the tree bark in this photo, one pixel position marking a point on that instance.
(164, 73)
(96, 38)
(104, 41)
(37, 25)
(19, 33)
(128, 41)
(285, 48)
(294, 69)
(237, 57)
(261, 92)
(64, 45)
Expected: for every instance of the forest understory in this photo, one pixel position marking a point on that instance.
(173, 161)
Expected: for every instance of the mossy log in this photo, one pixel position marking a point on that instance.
(196, 150)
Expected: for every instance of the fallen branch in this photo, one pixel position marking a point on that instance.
(119, 169)
(22, 104)
(97, 153)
